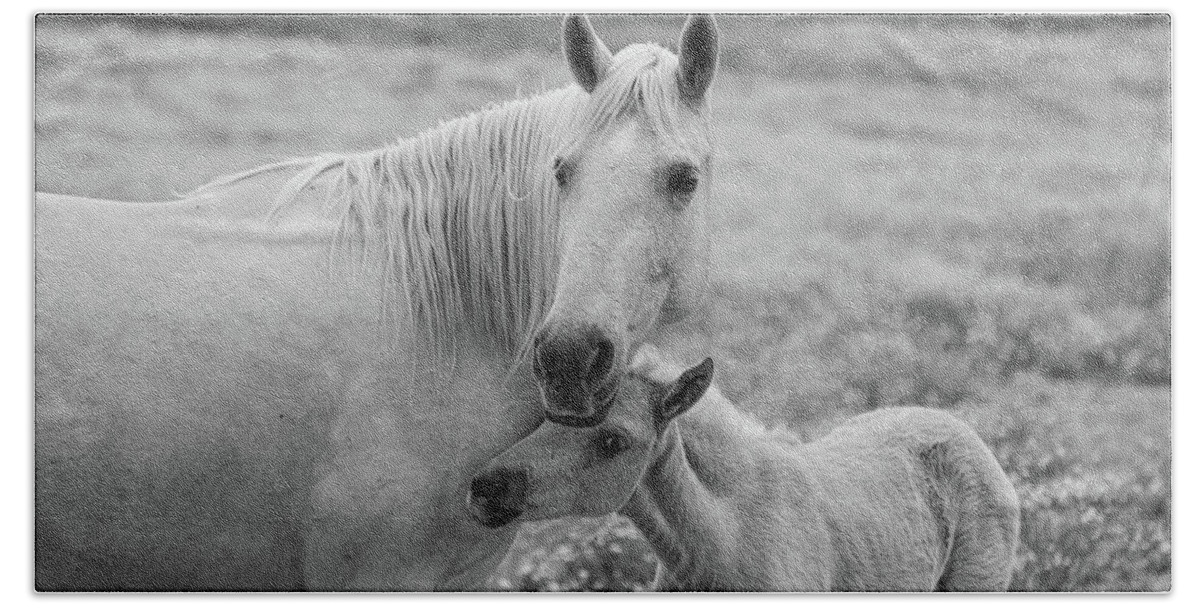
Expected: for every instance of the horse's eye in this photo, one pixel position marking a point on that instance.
(562, 172)
(681, 180)
(609, 444)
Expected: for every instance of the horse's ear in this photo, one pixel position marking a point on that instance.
(686, 391)
(586, 54)
(697, 57)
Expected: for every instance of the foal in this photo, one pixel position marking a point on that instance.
(900, 499)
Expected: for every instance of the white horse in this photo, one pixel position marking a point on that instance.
(285, 379)
(902, 499)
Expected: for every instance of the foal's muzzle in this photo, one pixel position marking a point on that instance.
(498, 496)
(579, 367)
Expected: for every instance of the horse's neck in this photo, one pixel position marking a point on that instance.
(695, 494)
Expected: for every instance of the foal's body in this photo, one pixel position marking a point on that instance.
(903, 499)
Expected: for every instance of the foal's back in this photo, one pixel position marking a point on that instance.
(915, 501)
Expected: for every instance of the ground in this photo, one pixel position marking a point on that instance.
(970, 213)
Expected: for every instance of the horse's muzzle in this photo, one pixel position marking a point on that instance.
(498, 496)
(579, 368)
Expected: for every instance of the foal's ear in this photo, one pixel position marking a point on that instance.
(697, 57)
(586, 54)
(686, 391)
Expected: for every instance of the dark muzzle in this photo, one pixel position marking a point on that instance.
(579, 369)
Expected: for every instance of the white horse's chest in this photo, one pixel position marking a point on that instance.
(389, 509)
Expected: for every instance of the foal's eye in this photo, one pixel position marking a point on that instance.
(609, 444)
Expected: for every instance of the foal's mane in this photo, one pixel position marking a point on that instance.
(465, 215)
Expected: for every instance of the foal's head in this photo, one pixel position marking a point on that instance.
(561, 470)
(633, 180)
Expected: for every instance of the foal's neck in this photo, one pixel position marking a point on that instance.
(680, 517)
(690, 503)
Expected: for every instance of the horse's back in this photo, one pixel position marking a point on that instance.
(178, 361)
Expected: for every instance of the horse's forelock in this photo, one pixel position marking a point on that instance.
(641, 82)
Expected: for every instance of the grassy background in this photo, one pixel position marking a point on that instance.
(963, 212)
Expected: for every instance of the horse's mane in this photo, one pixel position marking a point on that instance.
(465, 215)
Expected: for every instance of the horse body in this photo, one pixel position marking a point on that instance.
(285, 379)
(211, 408)
(127, 427)
(904, 499)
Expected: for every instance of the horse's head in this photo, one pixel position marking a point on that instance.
(633, 183)
(560, 470)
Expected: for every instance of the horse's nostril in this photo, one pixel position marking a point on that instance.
(602, 361)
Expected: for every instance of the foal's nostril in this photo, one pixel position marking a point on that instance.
(487, 487)
(498, 496)
(500, 486)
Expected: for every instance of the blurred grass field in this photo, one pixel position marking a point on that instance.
(966, 212)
